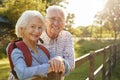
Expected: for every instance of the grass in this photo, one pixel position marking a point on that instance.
(116, 71)
(82, 46)
(79, 73)
(4, 69)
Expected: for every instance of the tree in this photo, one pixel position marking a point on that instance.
(111, 14)
(14, 8)
(69, 22)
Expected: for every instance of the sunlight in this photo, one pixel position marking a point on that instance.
(84, 10)
(4, 61)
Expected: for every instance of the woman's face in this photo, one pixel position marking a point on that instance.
(33, 29)
(55, 23)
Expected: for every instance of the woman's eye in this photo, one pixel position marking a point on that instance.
(32, 26)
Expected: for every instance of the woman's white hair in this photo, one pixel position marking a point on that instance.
(59, 9)
(24, 20)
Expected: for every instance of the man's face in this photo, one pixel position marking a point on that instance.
(55, 23)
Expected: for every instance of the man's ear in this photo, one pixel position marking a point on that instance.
(46, 22)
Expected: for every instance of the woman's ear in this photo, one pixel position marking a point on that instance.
(21, 31)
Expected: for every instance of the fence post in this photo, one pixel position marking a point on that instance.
(114, 55)
(91, 66)
(110, 66)
(104, 64)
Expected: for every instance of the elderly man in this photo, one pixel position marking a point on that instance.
(55, 38)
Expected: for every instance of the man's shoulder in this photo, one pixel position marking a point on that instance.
(65, 33)
(43, 34)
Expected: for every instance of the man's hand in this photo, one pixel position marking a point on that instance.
(57, 64)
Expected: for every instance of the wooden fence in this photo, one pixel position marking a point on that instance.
(109, 54)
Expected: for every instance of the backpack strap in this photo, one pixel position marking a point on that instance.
(45, 50)
(26, 52)
(10, 48)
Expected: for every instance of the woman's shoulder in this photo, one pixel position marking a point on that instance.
(16, 51)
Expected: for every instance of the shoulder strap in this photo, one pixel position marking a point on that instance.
(10, 47)
(26, 52)
(45, 50)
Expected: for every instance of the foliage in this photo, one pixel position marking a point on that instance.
(69, 21)
(75, 32)
(106, 28)
(3, 44)
(84, 31)
(110, 16)
(14, 8)
(6, 35)
(94, 31)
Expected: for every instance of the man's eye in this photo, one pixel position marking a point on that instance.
(40, 27)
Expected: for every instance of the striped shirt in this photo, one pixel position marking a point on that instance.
(61, 46)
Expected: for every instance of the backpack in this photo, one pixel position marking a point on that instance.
(28, 58)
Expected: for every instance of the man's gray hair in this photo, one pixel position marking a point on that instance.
(61, 10)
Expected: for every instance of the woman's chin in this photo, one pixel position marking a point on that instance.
(35, 39)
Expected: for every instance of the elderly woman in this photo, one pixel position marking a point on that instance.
(29, 27)
(55, 38)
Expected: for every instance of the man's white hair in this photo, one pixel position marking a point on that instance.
(61, 10)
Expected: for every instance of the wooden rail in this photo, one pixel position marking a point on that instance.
(109, 60)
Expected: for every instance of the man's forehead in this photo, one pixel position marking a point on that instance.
(55, 14)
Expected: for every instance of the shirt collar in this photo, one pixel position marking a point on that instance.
(36, 45)
(47, 39)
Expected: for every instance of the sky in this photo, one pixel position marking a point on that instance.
(84, 10)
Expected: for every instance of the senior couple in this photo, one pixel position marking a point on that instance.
(30, 27)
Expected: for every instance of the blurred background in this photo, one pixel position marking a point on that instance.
(91, 22)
